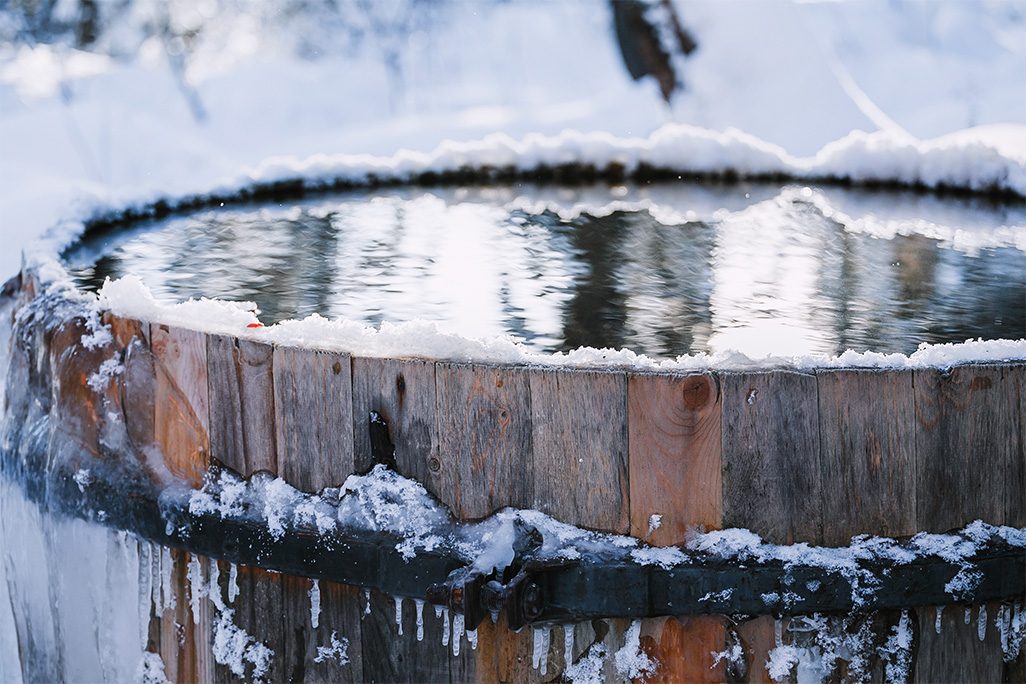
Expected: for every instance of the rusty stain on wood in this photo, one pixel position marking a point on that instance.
(771, 456)
(484, 419)
(970, 446)
(867, 433)
(313, 409)
(579, 433)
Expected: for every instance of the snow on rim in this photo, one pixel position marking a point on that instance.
(964, 161)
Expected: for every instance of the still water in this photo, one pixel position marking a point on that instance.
(663, 270)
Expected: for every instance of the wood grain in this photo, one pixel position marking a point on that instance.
(867, 433)
(241, 396)
(389, 657)
(969, 441)
(258, 611)
(957, 654)
(674, 433)
(771, 460)
(185, 647)
(484, 424)
(313, 415)
(181, 413)
(403, 393)
(579, 434)
(339, 619)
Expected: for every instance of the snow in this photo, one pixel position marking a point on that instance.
(631, 662)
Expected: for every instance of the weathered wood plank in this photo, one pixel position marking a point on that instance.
(258, 612)
(313, 408)
(867, 433)
(957, 654)
(757, 638)
(241, 395)
(403, 393)
(674, 433)
(771, 460)
(683, 648)
(391, 657)
(483, 415)
(579, 436)
(181, 412)
(970, 446)
(185, 643)
(337, 633)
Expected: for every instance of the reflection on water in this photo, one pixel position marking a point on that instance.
(664, 270)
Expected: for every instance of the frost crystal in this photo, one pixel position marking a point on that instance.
(338, 650)
(315, 604)
(82, 479)
(151, 669)
(630, 662)
(234, 647)
(99, 380)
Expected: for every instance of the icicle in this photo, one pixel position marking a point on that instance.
(968, 614)
(457, 632)
(419, 603)
(568, 644)
(495, 616)
(399, 613)
(472, 638)
(1003, 623)
(144, 574)
(445, 627)
(233, 583)
(366, 596)
(981, 622)
(196, 588)
(155, 577)
(546, 635)
(167, 568)
(536, 655)
(778, 632)
(438, 612)
(315, 603)
(214, 585)
(937, 622)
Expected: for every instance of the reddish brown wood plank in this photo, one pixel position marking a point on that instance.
(313, 408)
(181, 410)
(674, 430)
(579, 436)
(970, 449)
(771, 455)
(185, 646)
(683, 648)
(484, 424)
(241, 395)
(403, 393)
(867, 432)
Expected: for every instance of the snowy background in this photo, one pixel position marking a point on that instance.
(170, 97)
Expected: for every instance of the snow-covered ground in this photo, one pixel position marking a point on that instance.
(798, 75)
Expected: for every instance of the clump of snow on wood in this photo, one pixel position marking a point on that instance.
(631, 662)
(337, 650)
(129, 297)
(234, 647)
(151, 669)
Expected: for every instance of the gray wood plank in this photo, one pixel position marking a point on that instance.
(771, 460)
(970, 447)
(391, 657)
(403, 392)
(313, 408)
(579, 436)
(867, 433)
(337, 634)
(956, 654)
(240, 382)
(483, 415)
(258, 610)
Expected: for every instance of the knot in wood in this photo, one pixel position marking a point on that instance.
(697, 391)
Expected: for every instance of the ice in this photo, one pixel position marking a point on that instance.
(338, 650)
(937, 621)
(981, 622)
(568, 645)
(419, 604)
(151, 669)
(445, 627)
(399, 613)
(315, 604)
(167, 568)
(472, 638)
(145, 577)
(214, 585)
(99, 380)
(233, 583)
(155, 578)
(197, 587)
(458, 621)
(654, 522)
(82, 478)
(968, 615)
(366, 598)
